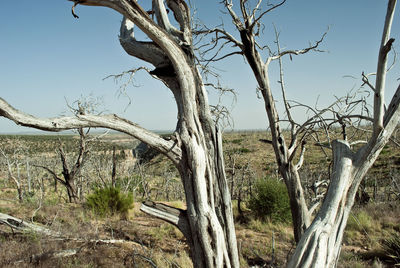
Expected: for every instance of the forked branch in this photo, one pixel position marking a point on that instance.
(300, 51)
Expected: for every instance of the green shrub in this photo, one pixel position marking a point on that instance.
(270, 200)
(109, 200)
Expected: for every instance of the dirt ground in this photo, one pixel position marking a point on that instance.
(135, 241)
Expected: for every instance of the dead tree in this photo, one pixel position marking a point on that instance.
(71, 173)
(195, 149)
(289, 156)
(319, 241)
(14, 165)
(15, 155)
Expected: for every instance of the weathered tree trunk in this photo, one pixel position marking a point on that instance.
(29, 178)
(301, 216)
(210, 229)
(209, 212)
(70, 175)
(321, 243)
(289, 172)
(69, 180)
(247, 26)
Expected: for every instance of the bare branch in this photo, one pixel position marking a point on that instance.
(219, 35)
(301, 158)
(301, 51)
(386, 45)
(147, 51)
(162, 17)
(283, 90)
(265, 12)
(236, 20)
(366, 81)
(52, 173)
(170, 214)
(182, 16)
(114, 122)
(255, 9)
(392, 115)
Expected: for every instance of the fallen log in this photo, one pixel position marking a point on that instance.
(22, 226)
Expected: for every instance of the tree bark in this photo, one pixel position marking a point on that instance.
(209, 214)
(321, 243)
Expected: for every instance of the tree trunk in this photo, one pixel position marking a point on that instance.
(321, 243)
(212, 236)
(300, 214)
(284, 155)
(208, 224)
(29, 178)
(210, 230)
(71, 190)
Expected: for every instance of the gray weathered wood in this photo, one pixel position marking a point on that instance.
(23, 226)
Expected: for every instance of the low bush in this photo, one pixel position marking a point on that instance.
(270, 200)
(109, 201)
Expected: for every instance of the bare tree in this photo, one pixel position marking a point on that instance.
(248, 26)
(319, 240)
(195, 149)
(70, 174)
(13, 162)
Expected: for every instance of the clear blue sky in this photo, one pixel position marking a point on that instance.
(48, 57)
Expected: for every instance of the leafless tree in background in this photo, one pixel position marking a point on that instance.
(14, 160)
(70, 174)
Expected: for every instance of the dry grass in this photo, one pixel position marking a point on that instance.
(149, 240)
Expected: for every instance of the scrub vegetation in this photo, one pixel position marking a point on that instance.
(107, 230)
